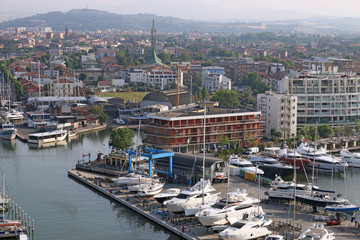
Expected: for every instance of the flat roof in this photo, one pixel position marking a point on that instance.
(198, 113)
(44, 134)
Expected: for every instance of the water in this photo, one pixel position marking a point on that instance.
(61, 207)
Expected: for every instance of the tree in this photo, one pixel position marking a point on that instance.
(100, 78)
(325, 131)
(223, 140)
(254, 81)
(275, 133)
(250, 140)
(83, 76)
(121, 138)
(165, 57)
(204, 92)
(99, 110)
(227, 98)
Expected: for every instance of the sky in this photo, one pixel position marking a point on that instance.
(207, 10)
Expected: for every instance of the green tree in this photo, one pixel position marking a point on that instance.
(100, 78)
(185, 57)
(99, 110)
(275, 133)
(325, 131)
(61, 70)
(250, 140)
(227, 98)
(204, 92)
(223, 140)
(83, 76)
(121, 138)
(165, 57)
(254, 81)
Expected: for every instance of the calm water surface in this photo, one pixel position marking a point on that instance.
(62, 208)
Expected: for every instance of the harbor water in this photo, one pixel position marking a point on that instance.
(62, 208)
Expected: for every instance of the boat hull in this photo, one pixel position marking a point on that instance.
(271, 171)
(316, 201)
(8, 134)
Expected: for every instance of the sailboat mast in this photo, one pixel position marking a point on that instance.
(313, 168)
(294, 187)
(204, 154)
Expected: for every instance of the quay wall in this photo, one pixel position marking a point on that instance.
(130, 206)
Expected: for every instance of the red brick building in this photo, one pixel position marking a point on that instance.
(182, 130)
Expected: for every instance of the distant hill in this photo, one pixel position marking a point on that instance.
(91, 20)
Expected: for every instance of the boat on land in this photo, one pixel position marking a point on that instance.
(191, 196)
(280, 189)
(47, 137)
(151, 189)
(316, 232)
(7, 130)
(169, 194)
(132, 179)
(252, 228)
(237, 206)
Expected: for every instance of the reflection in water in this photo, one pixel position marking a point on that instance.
(38, 182)
(8, 145)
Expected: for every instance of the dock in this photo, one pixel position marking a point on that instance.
(280, 212)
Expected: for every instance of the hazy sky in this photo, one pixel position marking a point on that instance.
(192, 9)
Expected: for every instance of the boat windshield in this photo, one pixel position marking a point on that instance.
(182, 196)
(238, 225)
(219, 205)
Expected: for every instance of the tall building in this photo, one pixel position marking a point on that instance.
(67, 32)
(279, 112)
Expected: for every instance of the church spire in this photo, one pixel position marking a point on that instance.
(153, 36)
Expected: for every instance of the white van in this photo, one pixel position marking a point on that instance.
(252, 150)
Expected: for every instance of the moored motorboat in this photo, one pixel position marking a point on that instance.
(352, 158)
(280, 189)
(345, 207)
(271, 166)
(132, 179)
(244, 165)
(7, 130)
(294, 158)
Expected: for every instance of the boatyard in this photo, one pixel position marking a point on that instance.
(280, 212)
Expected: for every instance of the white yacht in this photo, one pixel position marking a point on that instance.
(244, 165)
(151, 189)
(238, 207)
(281, 189)
(316, 232)
(252, 228)
(191, 211)
(191, 196)
(169, 194)
(274, 237)
(7, 131)
(320, 159)
(132, 179)
(352, 159)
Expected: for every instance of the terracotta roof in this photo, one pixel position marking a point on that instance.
(109, 59)
(104, 83)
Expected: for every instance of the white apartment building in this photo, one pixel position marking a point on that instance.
(326, 98)
(214, 79)
(279, 112)
(214, 82)
(158, 76)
